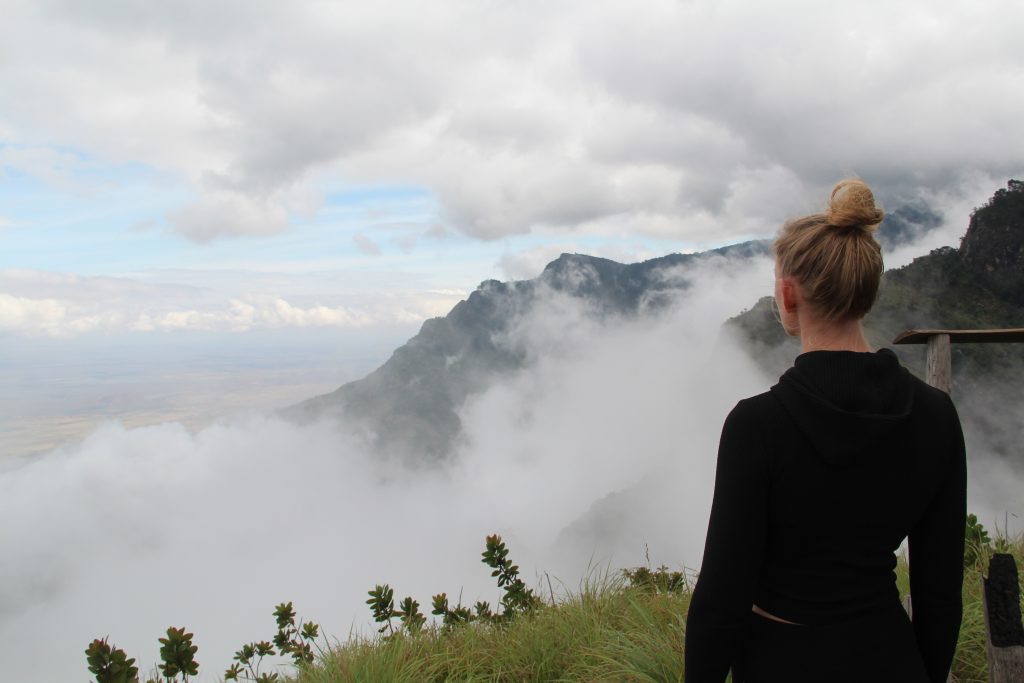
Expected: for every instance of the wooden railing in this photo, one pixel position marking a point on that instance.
(1001, 588)
(939, 363)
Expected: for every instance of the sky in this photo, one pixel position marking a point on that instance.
(211, 209)
(432, 145)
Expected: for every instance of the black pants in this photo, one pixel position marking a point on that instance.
(878, 648)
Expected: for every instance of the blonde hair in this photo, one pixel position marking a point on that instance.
(833, 255)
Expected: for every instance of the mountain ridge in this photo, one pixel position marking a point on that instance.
(409, 406)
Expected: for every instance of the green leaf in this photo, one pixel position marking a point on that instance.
(285, 615)
(310, 631)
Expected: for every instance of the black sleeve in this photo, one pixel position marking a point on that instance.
(936, 547)
(720, 605)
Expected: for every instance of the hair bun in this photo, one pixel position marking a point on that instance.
(853, 205)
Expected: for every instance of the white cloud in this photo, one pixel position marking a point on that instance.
(61, 318)
(62, 170)
(34, 303)
(405, 243)
(365, 245)
(529, 263)
(39, 315)
(705, 120)
(100, 524)
(229, 214)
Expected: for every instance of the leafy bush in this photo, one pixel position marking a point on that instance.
(517, 599)
(177, 654)
(110, 664)
(660, 580)
(976, 542)
(290, 640)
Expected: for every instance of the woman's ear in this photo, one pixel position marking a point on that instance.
(790, 294)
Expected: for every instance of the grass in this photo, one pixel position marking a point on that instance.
(608, 631)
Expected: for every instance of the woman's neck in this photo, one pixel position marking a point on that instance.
(824, 335)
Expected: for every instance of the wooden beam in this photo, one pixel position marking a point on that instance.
(1013, 334)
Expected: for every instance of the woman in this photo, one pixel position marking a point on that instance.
(818, 482)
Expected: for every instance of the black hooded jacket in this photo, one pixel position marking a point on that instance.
(818, 482)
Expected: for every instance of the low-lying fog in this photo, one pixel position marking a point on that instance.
(135, 530)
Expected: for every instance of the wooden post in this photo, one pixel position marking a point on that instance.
(939, 364)
(1005, 641)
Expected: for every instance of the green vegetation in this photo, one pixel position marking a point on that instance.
(628, 626)
(109, 664)
(607, 631)
(177, 655)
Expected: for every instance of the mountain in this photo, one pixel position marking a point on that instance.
(409, 406)
(993, 248)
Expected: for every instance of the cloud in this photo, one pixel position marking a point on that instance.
(529, 263)
(46, 316)
(242, 316)
(57, 318)
(135, 529)
(405, 243)
(60, 169)
(229, 214)
(36, 303)
(679, 121)
(365, 245)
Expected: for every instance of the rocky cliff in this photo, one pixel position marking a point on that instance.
(409, 406)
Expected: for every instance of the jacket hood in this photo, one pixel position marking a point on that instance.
(846, 402)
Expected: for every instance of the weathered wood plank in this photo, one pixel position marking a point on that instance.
(1014, 334)
(1001, 600)
(939, 364)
